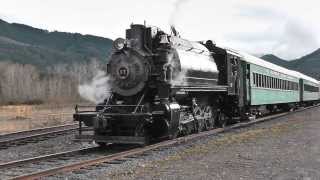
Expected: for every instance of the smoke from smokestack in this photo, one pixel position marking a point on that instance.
(97, 90)
(175, 14)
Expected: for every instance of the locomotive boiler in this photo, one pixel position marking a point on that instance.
(163, 86)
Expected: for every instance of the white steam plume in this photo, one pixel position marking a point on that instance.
(180, 78)
(174, 15)
(97, 90)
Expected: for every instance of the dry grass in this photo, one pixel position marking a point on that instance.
(24, 117)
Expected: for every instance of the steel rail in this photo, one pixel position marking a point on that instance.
(34, 133)
(44, 157)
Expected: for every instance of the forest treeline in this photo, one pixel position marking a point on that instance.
(24, 44)
(27, 84)
(39, 66)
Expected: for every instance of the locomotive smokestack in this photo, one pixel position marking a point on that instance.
(174, 31)
(136, 35)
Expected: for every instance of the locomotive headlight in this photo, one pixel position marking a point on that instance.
(118, 44)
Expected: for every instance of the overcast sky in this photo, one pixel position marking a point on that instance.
(286, 28)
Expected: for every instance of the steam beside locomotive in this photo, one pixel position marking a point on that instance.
(164, 86)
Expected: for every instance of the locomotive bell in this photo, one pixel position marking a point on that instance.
(164, 39)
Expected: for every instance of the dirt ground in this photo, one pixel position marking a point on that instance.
(288, 148)
(24, 117)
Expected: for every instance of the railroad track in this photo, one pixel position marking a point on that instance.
(23, 137)
(141, 150)
(15, 168)
(45, 157)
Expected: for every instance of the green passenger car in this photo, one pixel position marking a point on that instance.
(310, 91)
(271, 87)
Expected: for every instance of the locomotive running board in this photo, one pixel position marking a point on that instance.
(199, 88)
(112, 139)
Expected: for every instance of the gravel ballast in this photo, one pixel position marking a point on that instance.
(48, 146)
(284, 148)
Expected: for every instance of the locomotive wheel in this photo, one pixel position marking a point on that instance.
(221, 119)
(141, 131)
(199, 120)
(101, 144)
(209, 116)
(174, 135)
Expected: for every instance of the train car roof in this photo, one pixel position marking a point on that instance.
(260, 62)
(303, 76)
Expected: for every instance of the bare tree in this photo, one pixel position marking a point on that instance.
(25, 83)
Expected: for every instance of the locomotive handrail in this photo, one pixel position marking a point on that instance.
(77, 108)
(85, 111)
(209, 79)
(138, 105)
(129, 105)
(127, 114)
(204, 87)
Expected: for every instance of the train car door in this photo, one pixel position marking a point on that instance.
(234, 68)
(301, 89)
(245, 93)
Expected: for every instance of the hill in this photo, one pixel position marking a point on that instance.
(276, 60)
(27, 45)
(309, 64)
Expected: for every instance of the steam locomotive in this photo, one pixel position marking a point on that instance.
(164, 86)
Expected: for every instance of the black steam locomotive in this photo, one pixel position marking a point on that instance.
(163, 86)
